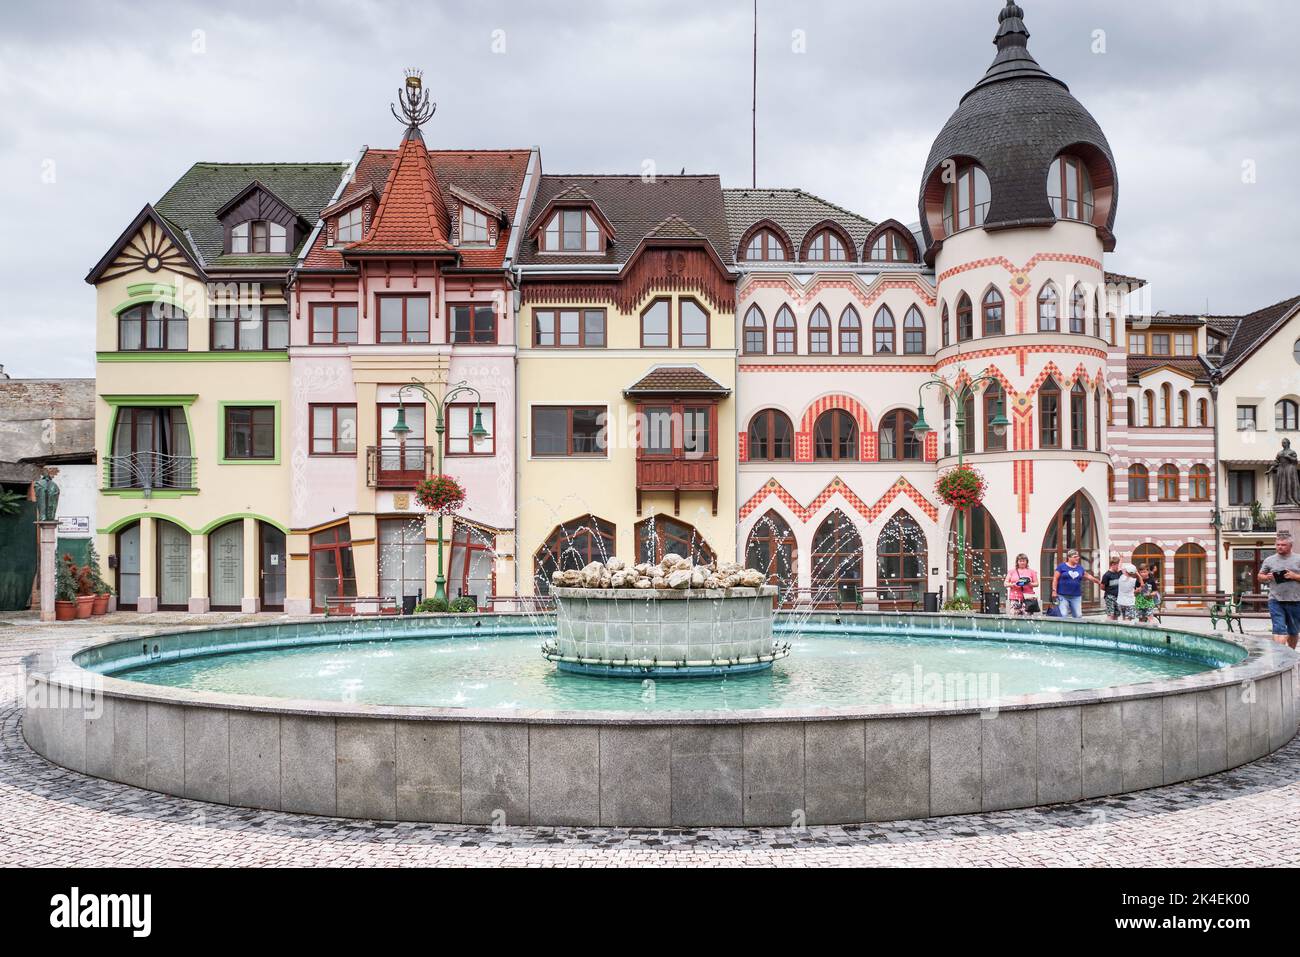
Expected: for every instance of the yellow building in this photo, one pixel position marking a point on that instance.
(626, 374)
(192, 377)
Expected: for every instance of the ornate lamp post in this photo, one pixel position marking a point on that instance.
(400, 429)
(999, 423)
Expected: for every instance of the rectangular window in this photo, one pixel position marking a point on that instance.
(571, 230)
(693, 326)
(568, 430)
(403, 319)
(569, 328)
(1160, 344)
(460, 422)
(1049, 425)
(656, 322)
(249, 328)
(333, 429)
(250, 432)
(696, 440)
(1137, 344)
(473, 227)
(334, 322)
(1184, 344)
(657, 437)
(349, 228)
(1241, 487)
(1246, 418)
(474, 323)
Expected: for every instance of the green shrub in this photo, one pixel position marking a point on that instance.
(958, 605)
(463, 604)
(436, 605)
(65, 582)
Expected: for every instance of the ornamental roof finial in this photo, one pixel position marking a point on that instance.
(1011, 26)
(416, 108)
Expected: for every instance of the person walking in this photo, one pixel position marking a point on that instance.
(1281, 573)
(1067, 585)
(1022, 588)
(1126, 594)
(1110, 588)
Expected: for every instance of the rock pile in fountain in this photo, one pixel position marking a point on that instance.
(674, 572)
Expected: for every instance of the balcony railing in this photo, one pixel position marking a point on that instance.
(150, 470)
(398, 466)
(677, 474)
(1247, 520)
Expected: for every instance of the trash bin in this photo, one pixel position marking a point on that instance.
(991, 603)
(931, 601)
(408, 604)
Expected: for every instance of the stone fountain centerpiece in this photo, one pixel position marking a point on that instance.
(672, 619)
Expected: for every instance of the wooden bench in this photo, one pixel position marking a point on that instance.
(360, 606)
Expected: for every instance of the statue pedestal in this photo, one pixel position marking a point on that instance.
(1288, 519)
(47, 548)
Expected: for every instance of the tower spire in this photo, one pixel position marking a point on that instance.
(1013, 60)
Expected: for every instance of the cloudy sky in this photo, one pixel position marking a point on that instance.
(106, 104)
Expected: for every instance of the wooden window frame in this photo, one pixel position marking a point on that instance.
(227, 432)
(838, 437)
(334, 408)
(891, 329)
(910, 331)
(264, 324)
(895, 247)
(767, 240)
(986, 307)
(841, 330)
(447, 436)
(1078, 417)
(823, 239)
(1198, 483)
(569, 445)
(778, 330)
(473, 323)
(1044, 393)
(602, 241)
(903, 420)
(770, 417)
(681, 324)
(668, 333)
(334, 308)
(1139, 473)
(486, 241)
(582, 311)
(1163, 478)
(405, 298)
(144, 309)
(342, 222)
(746, 329)
(828, 330)
(965, 318)
(1043, 300)
(992, 442)
(1078, 311)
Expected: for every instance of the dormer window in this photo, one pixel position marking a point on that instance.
(890, 247)
(826, 247)
(258, 236)
(349, 228)
(473, 227)
(966, 202)
(572, 231)
(1214, 345)
(765, 245)
(1069, 189)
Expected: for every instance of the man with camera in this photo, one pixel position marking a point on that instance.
(1281, 573)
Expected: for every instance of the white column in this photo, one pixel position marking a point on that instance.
(252, 600)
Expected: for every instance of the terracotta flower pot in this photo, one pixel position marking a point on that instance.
(101, 605)
(65, 610)
(85, 605)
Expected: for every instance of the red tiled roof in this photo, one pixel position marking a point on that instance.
(676, 379)
(412, 216)
(1192, 366)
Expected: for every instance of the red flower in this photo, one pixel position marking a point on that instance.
(440, 493)
(961, 487)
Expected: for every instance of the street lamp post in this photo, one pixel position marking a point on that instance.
(999, 423)
(400, 429)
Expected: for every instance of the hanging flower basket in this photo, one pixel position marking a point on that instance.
(961, 487)
(441, 494)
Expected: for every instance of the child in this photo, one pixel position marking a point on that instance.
(1126, 594)
(1148, 597)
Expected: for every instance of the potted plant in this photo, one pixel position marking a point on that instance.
(440, 493)
(65, 591)
(961, 487)
(83, 586)
(103, 591)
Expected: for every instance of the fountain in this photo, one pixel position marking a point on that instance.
(667, 619)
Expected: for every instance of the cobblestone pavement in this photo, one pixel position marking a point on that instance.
(50, 816)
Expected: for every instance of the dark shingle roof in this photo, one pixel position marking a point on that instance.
(1014, 122)
(793, 210)
(679, 207)
(676, 379)
(1121, 279)
(1189, 364)
(191, 204)
(1247, 333)
(1142, 322)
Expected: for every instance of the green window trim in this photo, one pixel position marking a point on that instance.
(116, 402)
(204, 530)
(221, 430)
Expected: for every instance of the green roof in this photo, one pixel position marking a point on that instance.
(192, 202)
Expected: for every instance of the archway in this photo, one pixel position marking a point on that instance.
(572, 545)
(986, 553)
(901, 560)
(1074, 526)
(173, 566)
(836, 560)
(226, 566)
(771, 549)
(658, 535)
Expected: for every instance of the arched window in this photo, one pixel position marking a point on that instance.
(153, 326)
(1110, 483)
(850, 332)
(966, 201)
(765, 245)
(943, 325)
(884, 331)
(947, 426)
(1078, 416)
(819, 332)
(771, 437)
(986, 553)
(913, 332)
(969, 424)
(771, 550)
(995, 400)
(1184, 408)
(901, 559)
(826, 246)
(1069, 189)
(1148, 554)
(835, 437)
(572, 545)
(783, 332)
(1078, 310)
(1049, 307)
(965, 319)
(890, 246)
(1049, 415)
(1167, 404)
(471, 566)
(994, 309)
(1101, 404)
(333, 569)
(755, 332)
(1198, 483)
(1167, 483)
(1139, 482)
(897, 440)
(1189, 569)
(1073, 527)
(1286, 416)
(1131, 407)
(836, 560)
(1202, 412)
(1149, 410)
(660, 535)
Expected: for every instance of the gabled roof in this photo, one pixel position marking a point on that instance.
(412, 215)
(664, 208)
(1190, 366)
(1247, 333)
(170, 260)
(194, 201)
(1119, 279)
(676, 380)
(465, 196)
(794, 210)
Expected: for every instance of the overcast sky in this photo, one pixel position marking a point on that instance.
(106, 104)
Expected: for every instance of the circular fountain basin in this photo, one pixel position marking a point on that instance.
(457, 719)
(663, 633)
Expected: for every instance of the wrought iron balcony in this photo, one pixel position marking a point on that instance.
(1245, 519)
(150, 470)
(398, 466)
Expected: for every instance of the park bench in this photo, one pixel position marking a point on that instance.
(360, 606)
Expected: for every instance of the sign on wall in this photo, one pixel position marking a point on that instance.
(74, 525)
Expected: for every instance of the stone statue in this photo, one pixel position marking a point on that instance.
(47, 496)
(1286, 476)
